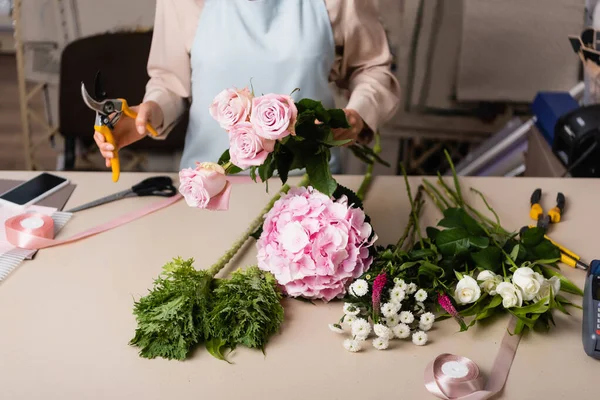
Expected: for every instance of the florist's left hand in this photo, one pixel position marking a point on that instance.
(357, 125)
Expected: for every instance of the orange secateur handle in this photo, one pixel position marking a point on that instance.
(115, 164)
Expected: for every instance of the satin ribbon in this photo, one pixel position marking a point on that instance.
(23, 231)
(455, 377)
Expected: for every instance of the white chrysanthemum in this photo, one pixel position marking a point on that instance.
(351, 309)
(392, 320)
(421, 295)
(381, 343)
(349, 320)
(361, 328)
(337, 328)
(359, 288)
(406, 317)
(399, 283)
(389, 309)
(401, 331)
(427, 318)
(425, 327)
(411, 288)
(352, 345)
(419, 306)
(419, 338)
(383, 331)
(397, 294)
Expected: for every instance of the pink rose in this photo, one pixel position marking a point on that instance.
(206, 186)
(274, 116)
(313, 245)
(231, 106)
(246, 148)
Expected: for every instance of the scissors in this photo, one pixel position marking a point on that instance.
(108, 113)
(156, 186)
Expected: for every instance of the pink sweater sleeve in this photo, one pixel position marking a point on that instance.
(169, 60)
(363, 63)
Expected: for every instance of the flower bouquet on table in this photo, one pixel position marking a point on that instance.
(469, 266)
(312, 239)
(269, 134)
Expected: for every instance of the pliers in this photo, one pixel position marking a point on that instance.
(108, 113)
(537, 212)
(553, 217)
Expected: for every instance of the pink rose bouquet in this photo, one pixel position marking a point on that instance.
(268, 134)
(314, 245)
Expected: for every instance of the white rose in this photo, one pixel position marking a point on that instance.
(489, 281)
(528, 281)
(467, 290)
(511, 295)
(553, 283)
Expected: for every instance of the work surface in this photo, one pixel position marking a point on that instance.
(66, 317)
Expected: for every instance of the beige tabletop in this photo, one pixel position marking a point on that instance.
(66, 316)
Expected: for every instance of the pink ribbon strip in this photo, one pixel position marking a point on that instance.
(25, 231)
(455, 377)
(35, 231)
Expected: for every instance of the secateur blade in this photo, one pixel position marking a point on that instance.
(89, 100)
(99, 92)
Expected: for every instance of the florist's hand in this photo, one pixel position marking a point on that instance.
(128, 131)
(356, 127)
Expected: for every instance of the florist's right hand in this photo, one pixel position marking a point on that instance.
(128, 130)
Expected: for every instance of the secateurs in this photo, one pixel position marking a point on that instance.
(553, 217)
(108, 113)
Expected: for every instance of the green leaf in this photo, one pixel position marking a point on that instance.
(515, 252)
(215, 347)
(284, 159)
(337, 118)
(432, 232)
(253, 173)
(408, 265)
(565, 284)
(566, 302)
(351, 195)
(316, 107)
(317, 167)
(489, 258)
(545, 250)
(458, 218)
(531, 237)
(225, 157)
(458, 275)
(430, 270)
(456, 241)
(537, 308)
(419, 254)
(336, 143)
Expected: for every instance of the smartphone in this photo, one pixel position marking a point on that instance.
(33, 190)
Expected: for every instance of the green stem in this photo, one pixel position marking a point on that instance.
(451, 193)
(368, 178)
(461, 202)
(254, 225)
(433, 198)
(432, 188)
(412, 206)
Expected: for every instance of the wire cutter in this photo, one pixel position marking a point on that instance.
(108, 113)
(553, 217)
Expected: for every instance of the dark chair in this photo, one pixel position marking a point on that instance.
(122, 60)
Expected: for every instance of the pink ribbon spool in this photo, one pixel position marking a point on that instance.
(26, 230)
(450, 376)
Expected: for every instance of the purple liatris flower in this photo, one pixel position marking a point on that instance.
(447, 305)
(378, 284)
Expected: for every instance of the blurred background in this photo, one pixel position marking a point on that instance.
(496, 82)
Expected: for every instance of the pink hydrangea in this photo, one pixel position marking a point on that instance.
(313, 245)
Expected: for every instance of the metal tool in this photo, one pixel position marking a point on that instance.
(553, 217)
(591, 311)
(156, 186)
(537, 212)
(108, 113)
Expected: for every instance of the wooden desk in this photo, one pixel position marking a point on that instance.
(66, 317)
